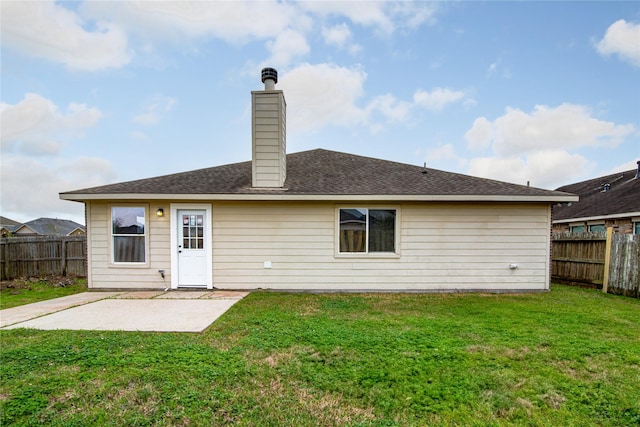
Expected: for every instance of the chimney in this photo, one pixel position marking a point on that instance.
(638, 171)
(268, 133)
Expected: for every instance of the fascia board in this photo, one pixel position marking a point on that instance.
(322, 197)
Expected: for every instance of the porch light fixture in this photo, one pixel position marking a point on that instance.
(160, 212)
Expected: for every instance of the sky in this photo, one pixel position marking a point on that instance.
(98, 92)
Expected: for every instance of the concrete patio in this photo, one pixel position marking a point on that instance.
(159, 311)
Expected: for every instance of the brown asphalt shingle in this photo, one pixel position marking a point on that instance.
(623, 196)
(323, 172)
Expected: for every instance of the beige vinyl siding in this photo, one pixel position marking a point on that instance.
(441, 246)
(269, 138)
(103, 274)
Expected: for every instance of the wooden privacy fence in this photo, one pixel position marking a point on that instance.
(604, 260)
(43, 256)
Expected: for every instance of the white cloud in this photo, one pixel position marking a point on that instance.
(47, 30)
(286, 47)
(437, 98)
(338, 35)
(33, 125)
(480, 135)
(31, 129)
(157, 106)
(566, 126)
(94, 35)
(323, 94)
(329, 95)
(630, 165)
(30, 187)
(445, 155)
(537, 146)
(390, 108)
(623, 39)
(236, 22)
(544, 169)
(370, 14)
(383, 17)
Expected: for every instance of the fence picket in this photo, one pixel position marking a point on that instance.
(580, 259)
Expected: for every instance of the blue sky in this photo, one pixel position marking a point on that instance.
(101, 92)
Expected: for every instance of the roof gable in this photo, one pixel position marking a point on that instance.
(318, 173)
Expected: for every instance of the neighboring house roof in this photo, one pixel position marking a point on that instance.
(8, 224)
(54, 226)
(322, 175)
(615, 195)
(6, 221)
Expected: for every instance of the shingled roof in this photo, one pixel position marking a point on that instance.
(615, 194)
(321, 174)
(54, 226)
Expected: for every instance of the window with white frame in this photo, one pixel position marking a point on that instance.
(636, 227)
(596, 227)
(364, 230)
(128, 234)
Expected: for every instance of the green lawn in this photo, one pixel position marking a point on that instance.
(26, 292)
(570, 357)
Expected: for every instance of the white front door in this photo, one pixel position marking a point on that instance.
(192, 248)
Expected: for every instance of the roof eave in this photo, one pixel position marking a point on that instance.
(597, 217)
(79, 197)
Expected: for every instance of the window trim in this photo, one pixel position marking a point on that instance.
(395, 254)
(112, 262)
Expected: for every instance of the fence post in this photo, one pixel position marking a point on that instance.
(63, 255)
(7, 266)
(607, 260)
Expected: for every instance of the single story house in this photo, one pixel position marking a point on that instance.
(317, 220)
(8, 226)
(41, 227)
(606, 201)
(55, 227)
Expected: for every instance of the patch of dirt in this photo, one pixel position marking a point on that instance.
(27, 282)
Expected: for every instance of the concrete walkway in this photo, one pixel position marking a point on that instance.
(173, 311)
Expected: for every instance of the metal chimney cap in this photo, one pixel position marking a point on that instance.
(269, 74)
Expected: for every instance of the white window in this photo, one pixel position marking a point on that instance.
(636, 228)
(364, 230)
(128, 234)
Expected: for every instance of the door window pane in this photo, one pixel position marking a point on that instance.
(193, 231)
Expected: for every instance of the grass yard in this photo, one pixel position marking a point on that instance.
(19, 292)
(570, 357)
